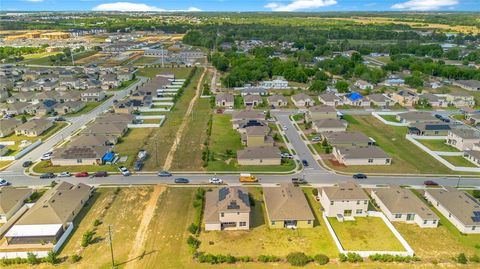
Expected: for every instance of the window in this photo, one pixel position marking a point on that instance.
(434, 221)
(243, 223)
(424, 222)
(358, 202)
(473, 228)
(370, 160)
(449, 215)
(222, 214)
(365, 202)
(359, 211)
(397, 216)
(79, 160)
(331, 202)
(273, 222)
(309, 221)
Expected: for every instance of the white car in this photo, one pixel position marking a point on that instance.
(215, 180)
(284, 127)
(65, 174)
(286, 155)
(316, 139)
(3, 182)
(124, 170)
(46, 156)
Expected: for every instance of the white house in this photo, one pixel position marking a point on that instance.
(345, 199)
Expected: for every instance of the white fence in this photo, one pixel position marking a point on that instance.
(162, 98)
(21, 153)
(408, 250)
(6, 226)
(378, 115)
(63, 238)
(7, 143)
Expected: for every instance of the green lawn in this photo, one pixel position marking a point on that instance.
(437, 145)
(145, 60)
(89, 106)
(459, 161)
(407, 158)
(392, 118)
(180, 72)
(365, 233)
(126, 84)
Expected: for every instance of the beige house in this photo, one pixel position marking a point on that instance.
(8, 126)
(380, 100)
(287, 207)
(265, 155)
(329, 125)
(405, 98)
(11, 200)
(361, 155)
(399, 204)
(79, 155)
(330, 99)
(345, 200)
(416, 117)
(461, 209)
(34, 127)
(227, 208)
(258, 136)
(93, 95)
(252, 100)
(463, 139)
(225, 100)
(302, 100)
(459, 99)
(69, 107)
(277, 100)
(47, 220)
(347, 139)
(321, 112)
(469, 85)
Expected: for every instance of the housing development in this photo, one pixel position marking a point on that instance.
(150, 138)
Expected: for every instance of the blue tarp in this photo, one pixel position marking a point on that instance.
(354, 96)
(108, 157)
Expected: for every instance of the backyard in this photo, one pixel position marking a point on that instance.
(459, 161)
(437, 145)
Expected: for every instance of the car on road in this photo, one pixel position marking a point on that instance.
(124, 171)
(181, 180)
(26, 163)
(271, 120)
(47, 175)
(65, 174)
(359, 176)
(297, 180)
(430, 183)
(81, 174)
(138, 165)
(305, 163)
(46, 156)
(164, 174)
(447, 120)
(215, 180)
(100, 174)
(3, 182)
(438, 116)
(284, 127)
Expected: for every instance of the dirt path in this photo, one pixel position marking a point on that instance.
(178, 138)
(137, 247)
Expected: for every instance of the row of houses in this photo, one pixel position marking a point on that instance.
(32, 128)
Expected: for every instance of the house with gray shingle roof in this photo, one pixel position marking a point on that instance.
(346, 199)
(361, 155)
(11, 199)
(227, 208)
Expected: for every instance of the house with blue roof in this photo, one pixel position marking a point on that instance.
(355, 99)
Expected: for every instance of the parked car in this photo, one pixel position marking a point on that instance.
(47, 175)
(100, 174)
(142, 155)
(164, 174)
(286, 155)
(305, 163)
(3, 182)
(46, 156)
(297, 180)
(215, 180)
(438, 116)
(124, 171)
(447, 120)
(138, 165)
(316, 139)
(181, 180)
(81, 174)
(27, 163)
(359, 176)
(430, 183)
(271, 120)
(65, 174)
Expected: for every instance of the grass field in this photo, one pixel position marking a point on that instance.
(365, 233)
(407, 158)
(180, 72)
(437, 145)
(391, 118)
(459, 161)
(89, 106)
(145, 60)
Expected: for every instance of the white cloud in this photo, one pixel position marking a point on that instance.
(135, 7)
(300, 5)
(425, 5)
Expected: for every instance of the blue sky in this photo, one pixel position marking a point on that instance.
(241, 5)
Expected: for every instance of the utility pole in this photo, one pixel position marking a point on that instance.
(111, 244)
(156, 153)
(458, 182)
(71, 55)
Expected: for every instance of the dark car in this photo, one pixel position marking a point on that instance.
(100, 174)
(164, 174)
(181, 180)
(47, 175)
(447, 120)
(297, 180)
(430, 183)
(138, 165)
(438, 116)
(304, 162)
(359, 176)
(27, 163)
(81, 174)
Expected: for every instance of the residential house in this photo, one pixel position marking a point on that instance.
(8, 126)
(3, 150)
(93, 95)
(264, 155)
(51, 215)
(245, 118)
(347, 139)
(355, 99)
(225, 100)
(405, 98)
(380, 100)
(11, 200)
(252, 100)
(253, 91)
(287, 207)
(69, 107)
(459, 207)
(79, 155)
(473, 155)
(302, 100)
(459, 99)
(429, 129)
(399, 204)
(415, 117)
(277, 100)
(107, 128)
(463, 139)
(434, 100)
(227, 208)
(277, 83)
(16, 108)
(346, 199)
(363, 85)
(34, 127)
(321, 112)
(394, 82)
(257, 136)
(361, 155)
(330, 99)
(469, 85)
(93, 140)
(329, 125)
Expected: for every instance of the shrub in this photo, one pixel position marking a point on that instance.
(87, 238)
(315, 192)
(354, 257)
(193, 228)
(32, 259)
(193, 242)
(392, 258)
(97, 222)
(244, 259)
(268, 258)
(52, 258)
(461, 258)
(75, 258)
(321, 259)
(342, 257)
(297, 258)
(474, 258)
(476, 194)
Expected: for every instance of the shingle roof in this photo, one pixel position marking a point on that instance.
(346, 191)
(225, 199)
(363, 152)
(259, 153)
(287, 203)
(9, 197)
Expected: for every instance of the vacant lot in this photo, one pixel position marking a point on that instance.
(407, 158)
(367, 233)
(437, 145)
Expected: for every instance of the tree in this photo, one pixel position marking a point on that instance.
(342, 86)
(414, 81)
(461, 258)
(32, 258)
(318, 86)
(51, 258)
(24, 119)
(87, 238)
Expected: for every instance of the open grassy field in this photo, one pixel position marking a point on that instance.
(407, 158)
(459, 161)
(180, 72)
(391, 118)
(437, 145)
(368, 233)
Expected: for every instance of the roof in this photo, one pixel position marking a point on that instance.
(464, 207)
(354, 96)
(300, 97)
(114, 118)
(80, 152)
(227, 97)
(225, 199)
(287, 203)
(33, 230)
(9, 197)
(107, 128)
(276, 98)
(263, 152)
(466, 133)
(322, 109)
(329, 97)
(363, 152)
(400, 200)
(35, 124)
(56, 205)
(417, 116)
(84, 139)
(469, 83)
(257, 130)
(330, 123)
(345, 191)
(7, 124)
(377, 97)
(248, 114)
(251, 98)
(431, 126)
(346, 137)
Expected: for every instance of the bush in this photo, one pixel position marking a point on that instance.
(97, 222)
(32, 259)
(297, 258)
(52, 258)
(75, 258)
(193, 228)
(350, 257)
(244, 259)
(321, 259)
(476, 194)
(268, 258)
(87, 238)
(193, 242)
(474, 258)
(342, 257)
(315, 192)
(461, 258)
(392, 258)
